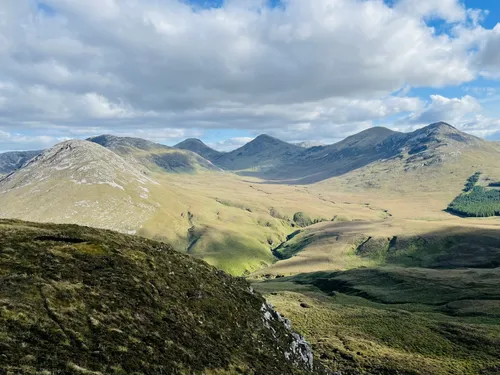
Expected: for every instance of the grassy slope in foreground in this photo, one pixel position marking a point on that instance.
(397, 320)
(88, 301)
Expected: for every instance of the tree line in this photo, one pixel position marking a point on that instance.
(477, 202)
(471, 182)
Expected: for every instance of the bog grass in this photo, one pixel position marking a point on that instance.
(396, 320)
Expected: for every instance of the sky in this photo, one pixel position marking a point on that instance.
(226, 71)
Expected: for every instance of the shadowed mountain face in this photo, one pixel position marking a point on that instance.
(272, 159)
(154, 156)
(428, 146)
(262, 152)
(197, 146)
(100, 302)
(11, 161)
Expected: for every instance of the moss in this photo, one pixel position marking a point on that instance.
(396, 320)
(122, 304)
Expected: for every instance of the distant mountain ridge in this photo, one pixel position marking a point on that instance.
(271, 158)
(154, 156)
(10, 161)
(197, 146)
(262, 152)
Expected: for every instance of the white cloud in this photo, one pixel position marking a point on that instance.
(454, 110)
(9, 141)
(449, 10)
(483, 126)
(308, 69)
(489, 55)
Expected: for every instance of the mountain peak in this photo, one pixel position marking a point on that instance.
(193, 140)
(263, 151)
(190, 143)
(266, 138)
(113, 142)
(78, 181)
(71, 149)
(71, 160)
(440, 125)
(197, 146)
(444, 132)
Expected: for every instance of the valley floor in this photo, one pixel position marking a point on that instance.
(423, 326)
(413, 291)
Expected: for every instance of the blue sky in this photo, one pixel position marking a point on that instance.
(228, 71)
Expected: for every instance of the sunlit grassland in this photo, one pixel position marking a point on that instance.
(396, 321)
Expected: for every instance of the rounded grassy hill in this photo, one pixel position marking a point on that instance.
(77, 300)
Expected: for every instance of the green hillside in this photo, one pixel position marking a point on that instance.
(406, 321)
(77, 300)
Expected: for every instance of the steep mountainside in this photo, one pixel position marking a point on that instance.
(154, 156)
(433, 145)
(262, 152)
(208, 215)
(78, 300)
(10, 161)
(78, 182)
(197, 146)
(321, 162)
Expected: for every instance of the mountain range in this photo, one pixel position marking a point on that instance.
(270, 158)
(351, 241)
(153, 155)
(201, 207)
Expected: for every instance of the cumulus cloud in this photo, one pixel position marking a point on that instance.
(489, 55)
(15, 142)
(483, 126)
(448, 10)
(441, 108)
(167, 69)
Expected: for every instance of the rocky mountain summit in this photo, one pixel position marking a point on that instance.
(262, 152)
(81, 182)
(195, 145)
(78, 300)
(434, 144)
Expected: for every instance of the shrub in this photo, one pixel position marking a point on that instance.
(302, 220)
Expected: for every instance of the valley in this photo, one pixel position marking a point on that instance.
(354, 242)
